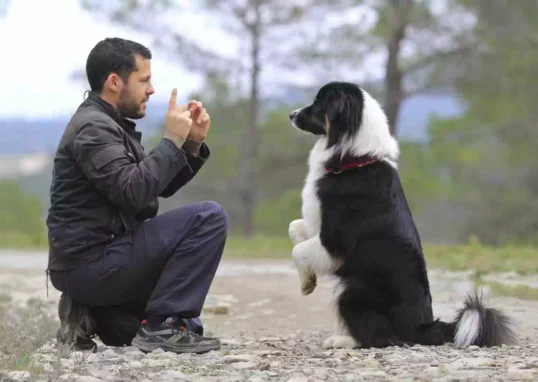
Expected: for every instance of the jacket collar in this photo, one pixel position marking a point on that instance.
(129, 126)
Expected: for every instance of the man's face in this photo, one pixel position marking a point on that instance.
(135, 92)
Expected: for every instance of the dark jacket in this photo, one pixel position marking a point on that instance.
(104, 185)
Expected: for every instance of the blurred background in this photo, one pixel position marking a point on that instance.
(456, 78)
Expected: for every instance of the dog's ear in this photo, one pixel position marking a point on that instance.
(343, 118)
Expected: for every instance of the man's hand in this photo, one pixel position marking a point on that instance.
(200, 121)
(178, 121)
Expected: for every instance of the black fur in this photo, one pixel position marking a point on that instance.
(367, 225)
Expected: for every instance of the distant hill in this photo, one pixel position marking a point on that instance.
(22, 136)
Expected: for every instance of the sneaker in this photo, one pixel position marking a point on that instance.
(77, 326)
(172, 337)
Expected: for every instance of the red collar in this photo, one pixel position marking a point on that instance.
(350, 165)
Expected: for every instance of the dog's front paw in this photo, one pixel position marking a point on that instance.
(297, 232)
(309, 283)
(340, 342)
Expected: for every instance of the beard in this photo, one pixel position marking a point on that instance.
(129, 108)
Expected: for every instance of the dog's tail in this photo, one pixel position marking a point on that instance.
(475, 324)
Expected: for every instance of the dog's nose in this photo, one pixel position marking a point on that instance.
(293, 114)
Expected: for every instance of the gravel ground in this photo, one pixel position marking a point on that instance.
(271, 332)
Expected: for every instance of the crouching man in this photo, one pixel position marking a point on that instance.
(126, 274)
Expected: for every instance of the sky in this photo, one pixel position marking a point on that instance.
(43, 42)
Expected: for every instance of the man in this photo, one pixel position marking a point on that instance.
(126, 273)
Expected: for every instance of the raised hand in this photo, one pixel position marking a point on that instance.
(200, 121)
(178, 121)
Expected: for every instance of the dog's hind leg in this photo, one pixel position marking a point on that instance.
(365, 321)
(341, 338)
(312, 259)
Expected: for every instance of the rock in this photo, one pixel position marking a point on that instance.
(172, 375)
(470, 363)
(87, 378)
(222, 308)
(264, 366)
(322, 373)
(109, 353)
(244, 365)
(298, 378)
(169, 355)
(134, 355)
(230, 342)
(159, 362)
(19, 376)
(270, 339)
(92, 358)
(136, 365)
(240, 358)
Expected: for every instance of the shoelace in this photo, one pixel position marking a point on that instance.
(186, 331)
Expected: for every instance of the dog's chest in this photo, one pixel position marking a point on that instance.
(311, 207)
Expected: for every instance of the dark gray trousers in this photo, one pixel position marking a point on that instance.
(164, 268)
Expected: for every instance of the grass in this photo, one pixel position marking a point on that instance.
(482, 259)
(20, 240)
(523, 292)
(471, 256)
(258, 247)
(22, 332)
(4, 298)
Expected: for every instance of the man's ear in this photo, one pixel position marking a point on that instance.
(114, 83)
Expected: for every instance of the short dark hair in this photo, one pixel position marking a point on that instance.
(113, 55)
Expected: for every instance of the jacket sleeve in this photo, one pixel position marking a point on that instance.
(100, 152)
(183, 177)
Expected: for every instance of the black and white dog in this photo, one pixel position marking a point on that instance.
(357, 226)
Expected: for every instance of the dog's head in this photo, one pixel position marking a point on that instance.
(350, 119)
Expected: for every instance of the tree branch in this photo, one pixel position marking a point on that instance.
(436, 56)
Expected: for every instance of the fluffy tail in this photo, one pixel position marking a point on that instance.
(474, 325)
(485, 327)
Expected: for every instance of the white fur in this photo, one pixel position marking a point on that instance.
(468, 328)
(374, 134)
(341, 338)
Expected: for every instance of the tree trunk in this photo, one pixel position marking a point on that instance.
(248, 184)
(393, 73)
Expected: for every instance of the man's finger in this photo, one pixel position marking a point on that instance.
(202, 115)
(182, 108)
(173, 99)
(193, 101)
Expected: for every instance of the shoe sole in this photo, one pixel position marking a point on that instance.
(198, 349)
(148, 347)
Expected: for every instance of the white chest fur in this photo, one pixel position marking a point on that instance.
(311, 207)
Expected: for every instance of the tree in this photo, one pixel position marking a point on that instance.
(262, 21)
(419, 46)
(494, 145)
(4, 7)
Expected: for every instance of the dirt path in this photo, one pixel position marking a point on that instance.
(272, 332)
